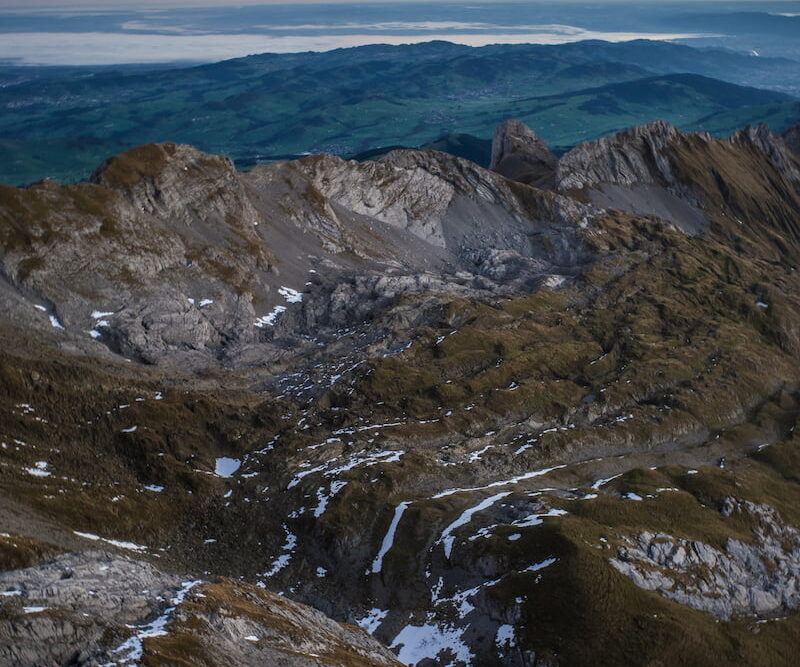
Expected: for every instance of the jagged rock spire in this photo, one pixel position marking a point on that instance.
(519, 154)
(792, 137)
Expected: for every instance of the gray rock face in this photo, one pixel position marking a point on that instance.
(122, 590)
(792, 138)
(174, 258)
(94, 608)
(634, 156)
(59, 611)
(773, 146)
(758, 578)
(633, 171)
(519, 154)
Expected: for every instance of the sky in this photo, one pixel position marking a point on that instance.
(148, 4)
(60, 32)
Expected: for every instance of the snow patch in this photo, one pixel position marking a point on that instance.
(540, 566)
(155, 628)
(388, 539)
(283, 560)
(117, 543)
(291, 295)
(372, 620)
(40, 470)
(324, 499)
(420, 642)
(226, 466)
(269, 319)
(505, 482)
(447, 538)
(505, 636)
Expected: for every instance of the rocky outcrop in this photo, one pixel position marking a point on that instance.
(774, 147)
(93, 607)
(519, 154)
(189, 263)
(687, 180)
(633, 157)
(791, 136)
(758, 578)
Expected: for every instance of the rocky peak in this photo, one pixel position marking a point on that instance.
(519, 154)
(177, 182)
(772, 145)
(791, 135)
(634, 156)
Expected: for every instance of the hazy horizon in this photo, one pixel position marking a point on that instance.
(46, 32)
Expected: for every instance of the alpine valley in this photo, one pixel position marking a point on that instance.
(411, 409)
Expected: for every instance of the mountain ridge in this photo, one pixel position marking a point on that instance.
(480, 419)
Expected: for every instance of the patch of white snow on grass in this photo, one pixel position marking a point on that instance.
(40, 470)
(505, 482)
(388, 539)
(226, 466)
(448, 538)
(283, 560)
(325, 499)
(603, 482)
(537, 519)
(387, 456)
(55, 322)
(130, 546)
(420, 642)
(133, 647)
(540, 566)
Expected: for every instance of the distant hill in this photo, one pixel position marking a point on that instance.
(348, 101)
(777, 116)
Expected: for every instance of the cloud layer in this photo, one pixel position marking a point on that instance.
(107, 48)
